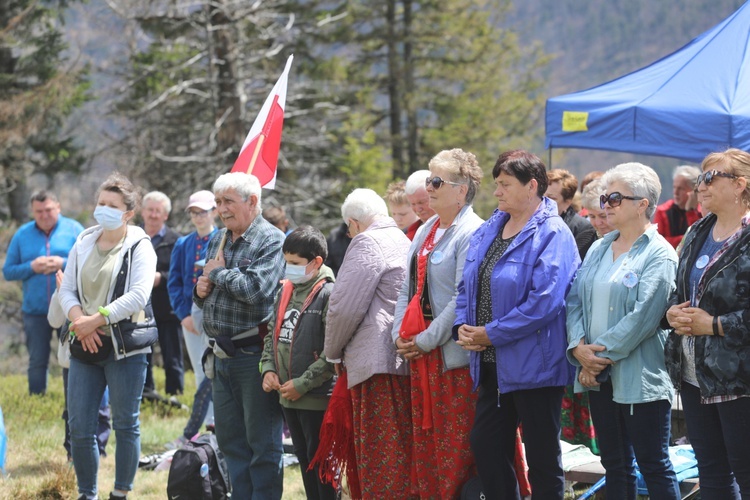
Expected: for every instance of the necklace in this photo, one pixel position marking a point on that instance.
(726, 234)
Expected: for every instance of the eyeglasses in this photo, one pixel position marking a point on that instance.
(437, 182)
(195, 213)
(615, 199)
(349, 227)
(708, 177)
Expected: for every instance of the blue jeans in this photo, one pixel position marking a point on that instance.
(86, 384)
(103, 426)
(720, 435)
(201, 402)
(38, 338)
(248, 427)
(634, 432)
(196, 345)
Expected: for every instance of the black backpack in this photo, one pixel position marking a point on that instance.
(199, 471)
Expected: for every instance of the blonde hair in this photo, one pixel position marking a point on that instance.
(462, 166)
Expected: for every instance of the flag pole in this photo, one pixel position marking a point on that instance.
(258, 146)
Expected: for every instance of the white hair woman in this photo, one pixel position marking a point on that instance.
(614, 339)
(358, 333)
(441, 398)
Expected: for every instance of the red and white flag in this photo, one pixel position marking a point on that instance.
(260, 152)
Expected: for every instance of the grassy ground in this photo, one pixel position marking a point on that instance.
(36, 465)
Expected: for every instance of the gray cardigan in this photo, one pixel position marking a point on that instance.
(444, 271)
(361, 305)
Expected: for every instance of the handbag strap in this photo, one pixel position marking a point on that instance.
(124, 272)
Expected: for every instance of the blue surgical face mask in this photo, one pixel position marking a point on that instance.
(296, 274)
(108, 217)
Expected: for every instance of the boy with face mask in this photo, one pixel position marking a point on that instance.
(293, 362)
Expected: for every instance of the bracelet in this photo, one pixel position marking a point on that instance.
(104, 312)
(716, 325)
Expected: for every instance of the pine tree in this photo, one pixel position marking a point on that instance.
(39, 89)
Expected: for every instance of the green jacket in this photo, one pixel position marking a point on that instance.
(296, 353)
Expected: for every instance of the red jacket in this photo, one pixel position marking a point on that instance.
(674, 221)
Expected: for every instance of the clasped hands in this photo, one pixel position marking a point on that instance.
(86, 329)
(591, 364)
(688, 320)
(473, 338)
(287, 390)
(409, 349)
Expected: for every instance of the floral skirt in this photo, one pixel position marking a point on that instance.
(443, 460)
(382, 436)
(576, 425)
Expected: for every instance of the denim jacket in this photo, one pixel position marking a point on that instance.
(529, 284)
(634, 340)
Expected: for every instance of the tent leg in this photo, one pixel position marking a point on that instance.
(549, 162)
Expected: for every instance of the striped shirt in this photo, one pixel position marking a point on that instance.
(244, 290)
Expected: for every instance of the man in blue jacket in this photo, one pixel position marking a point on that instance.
(38, 249)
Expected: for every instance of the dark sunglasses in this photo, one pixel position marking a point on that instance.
(708, 177)
(437, 182)
(615, 199)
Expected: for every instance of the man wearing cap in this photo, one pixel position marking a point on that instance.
(186, 266)
(36, 252)
(155, 212)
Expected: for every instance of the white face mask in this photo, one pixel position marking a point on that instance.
(296, 274)
(108, 217)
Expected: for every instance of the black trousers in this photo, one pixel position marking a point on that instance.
(304, 426)
(493, 439)
(170, 342)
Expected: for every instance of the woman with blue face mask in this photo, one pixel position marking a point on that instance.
(86, 296)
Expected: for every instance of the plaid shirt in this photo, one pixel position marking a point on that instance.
(244, 290)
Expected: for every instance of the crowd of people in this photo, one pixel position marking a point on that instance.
(568, 313)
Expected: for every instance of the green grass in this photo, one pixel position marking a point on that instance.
(36, 464)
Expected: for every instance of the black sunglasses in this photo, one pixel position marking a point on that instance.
(708, 177)
(437, 182)
(615, 199)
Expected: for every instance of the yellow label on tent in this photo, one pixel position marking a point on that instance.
(575, 121)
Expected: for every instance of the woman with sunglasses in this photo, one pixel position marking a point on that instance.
(441, 399)
(510, 316)
(614, 340)
(708, 354)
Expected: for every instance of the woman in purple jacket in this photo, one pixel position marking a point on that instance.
(510, 313)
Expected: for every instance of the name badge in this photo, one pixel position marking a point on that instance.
(630, 279)
(702, 261)
(437, 257)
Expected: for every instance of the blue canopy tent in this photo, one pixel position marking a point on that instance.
(685, 105)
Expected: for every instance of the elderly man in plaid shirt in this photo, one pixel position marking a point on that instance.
(244, 264)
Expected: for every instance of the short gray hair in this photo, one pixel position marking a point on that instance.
(640, 179)
(363, 205)
(591, 194)
(246, 185)
(416, 181)
(158, 197)
(688, 172)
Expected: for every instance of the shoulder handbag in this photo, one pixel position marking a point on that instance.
(138, 331)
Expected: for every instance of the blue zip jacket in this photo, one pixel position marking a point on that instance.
(529, 284)
(182, 270)
(27, 244)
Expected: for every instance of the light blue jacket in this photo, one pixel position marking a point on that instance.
(633, 339)
(529, 284)
(27, 244)
(444, 270)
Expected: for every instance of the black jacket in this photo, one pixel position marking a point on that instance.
(722, 364)
(583, 232)
(160, 296)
